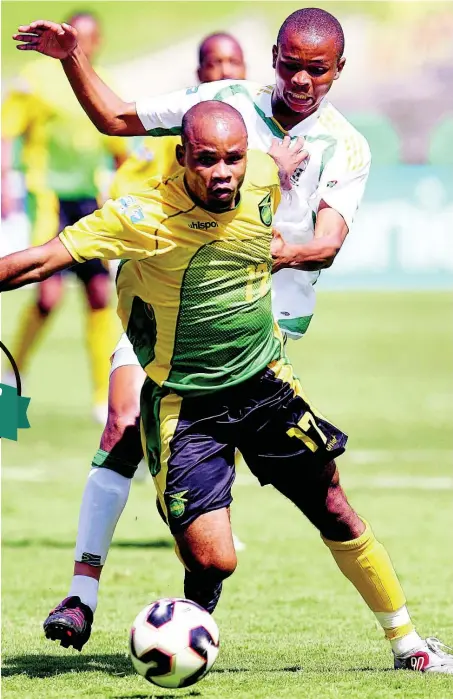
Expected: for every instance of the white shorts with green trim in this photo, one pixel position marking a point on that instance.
(293, 300)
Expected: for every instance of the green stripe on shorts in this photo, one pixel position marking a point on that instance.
(296, 326)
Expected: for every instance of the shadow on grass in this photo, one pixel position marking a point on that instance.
(193, 693)
(38, 665)
(117, 664)
(53, 544)
(232, 670)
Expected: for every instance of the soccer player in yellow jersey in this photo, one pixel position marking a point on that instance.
(62, 153)
(194, 299)
(220, 57)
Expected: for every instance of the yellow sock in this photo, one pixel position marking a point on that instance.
(30, 326)
(366, 563)
(100, 341)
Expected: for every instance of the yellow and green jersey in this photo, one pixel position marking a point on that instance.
(61, 149)
(150, 157)
(194, 290)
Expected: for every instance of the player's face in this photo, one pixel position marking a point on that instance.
(215, 160)
(222, 60)
(88, 35)
(305, 68)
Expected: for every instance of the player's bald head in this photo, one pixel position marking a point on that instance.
(215, 119)
(211, 43)
(313, 25)
(220, 57)
(214, 154)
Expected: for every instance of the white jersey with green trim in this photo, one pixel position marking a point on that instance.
(335, 171)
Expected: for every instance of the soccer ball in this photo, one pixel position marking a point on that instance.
(174, 643)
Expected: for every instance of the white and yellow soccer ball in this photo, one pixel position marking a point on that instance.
(174, 643)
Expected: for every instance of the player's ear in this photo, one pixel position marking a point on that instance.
(180, 154)
(340, 66)
(199, 75)
(274, 56)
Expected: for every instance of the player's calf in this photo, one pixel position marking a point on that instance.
(207, 550)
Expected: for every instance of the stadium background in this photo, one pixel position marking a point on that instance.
(377, 360)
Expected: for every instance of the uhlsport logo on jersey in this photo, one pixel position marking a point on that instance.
(177, 503)
(265, 209)
(13, 406)
(203, 225)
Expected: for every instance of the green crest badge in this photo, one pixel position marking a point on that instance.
(177, 504)
(266, 210)
(13, 406)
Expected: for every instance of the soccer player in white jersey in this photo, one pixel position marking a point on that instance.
(312, 222)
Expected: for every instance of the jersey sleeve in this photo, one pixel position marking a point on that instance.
(162, 115)
(343, 180)
(121, 230)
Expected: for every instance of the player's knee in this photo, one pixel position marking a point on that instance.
(50, 292)
(122, 430)
(218, 565)
(48, 301)
(341, 522)
(98, 292)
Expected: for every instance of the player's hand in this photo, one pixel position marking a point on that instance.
(288, 156)
(49, 38)
(278, 248)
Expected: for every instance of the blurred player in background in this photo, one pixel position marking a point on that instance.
(220, 57)
(63, 156)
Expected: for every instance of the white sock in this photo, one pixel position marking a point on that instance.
(87, 589)
(392, 620)
(103, 501)
(405, 644)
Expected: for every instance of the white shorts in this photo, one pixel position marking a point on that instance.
(123, 354)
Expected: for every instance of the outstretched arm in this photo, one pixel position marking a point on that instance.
(330, 233)
(33, 264)
(108, 112)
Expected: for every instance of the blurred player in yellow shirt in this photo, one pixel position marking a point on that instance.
(62, 157)
(220, 57)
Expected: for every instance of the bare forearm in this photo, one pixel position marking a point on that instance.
(28, 267)
(107, 111)
(319, 253)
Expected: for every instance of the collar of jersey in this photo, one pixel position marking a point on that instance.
(264, 110)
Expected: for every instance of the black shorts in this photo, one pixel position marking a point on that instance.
(70, 213)
(191, 442)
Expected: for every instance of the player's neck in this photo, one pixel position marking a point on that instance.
(286, 117)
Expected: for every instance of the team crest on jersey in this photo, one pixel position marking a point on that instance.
(265, 210)
(177, 504)
(295, 177)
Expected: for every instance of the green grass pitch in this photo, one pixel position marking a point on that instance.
(379, 365)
